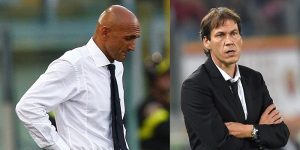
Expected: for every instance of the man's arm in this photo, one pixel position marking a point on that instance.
(203, 122)
(55, 86)
(271, 116)
(273, 133)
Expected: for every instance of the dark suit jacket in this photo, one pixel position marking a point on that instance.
(207, 103)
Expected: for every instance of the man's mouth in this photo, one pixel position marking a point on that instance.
(230, 52)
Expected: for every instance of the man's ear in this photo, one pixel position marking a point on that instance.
(242, 40)
(105, 32)
(206, 42)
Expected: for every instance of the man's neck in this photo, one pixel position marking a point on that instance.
(229, 69)
(97, 41)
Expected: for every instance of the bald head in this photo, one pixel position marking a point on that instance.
(117, 15)
(116, 32)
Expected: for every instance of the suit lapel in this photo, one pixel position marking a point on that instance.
(223, 88)
(247, 94)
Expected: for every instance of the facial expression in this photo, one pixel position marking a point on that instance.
(121, 40)
(225, 44)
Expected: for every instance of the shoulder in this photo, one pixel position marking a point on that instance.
(198, 78)
(69, 62)
(251, 76)
(248, 72)
(74, 55)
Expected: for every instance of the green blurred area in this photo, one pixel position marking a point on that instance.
(36, 32)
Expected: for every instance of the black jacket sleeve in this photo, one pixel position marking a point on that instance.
(204, 119)
(271, 136)
(204, 125)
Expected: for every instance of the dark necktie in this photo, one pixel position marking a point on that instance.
(234, 89)
(117, 122)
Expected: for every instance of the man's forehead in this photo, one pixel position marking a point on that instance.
(129, 29)
(226, 25)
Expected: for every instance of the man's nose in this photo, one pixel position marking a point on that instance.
(131, 46)
(228, 40)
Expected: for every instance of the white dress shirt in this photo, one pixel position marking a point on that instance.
(237, 78)
(77, 87)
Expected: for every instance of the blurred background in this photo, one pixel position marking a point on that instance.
(270, 31)
(33, 33)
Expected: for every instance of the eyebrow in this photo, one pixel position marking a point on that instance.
(132, 36)
(228, 32)
(136, 36)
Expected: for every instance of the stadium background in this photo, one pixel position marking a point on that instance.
(270, 30)
(33, 33)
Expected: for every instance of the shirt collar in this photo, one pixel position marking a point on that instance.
(98, 56)
(227, 77)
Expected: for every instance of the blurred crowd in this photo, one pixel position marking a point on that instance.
(259, 17)
(154, 111)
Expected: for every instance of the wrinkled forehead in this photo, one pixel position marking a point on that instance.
(132, 28)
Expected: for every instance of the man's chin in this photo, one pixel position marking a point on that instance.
(121, 59)
(233, 60)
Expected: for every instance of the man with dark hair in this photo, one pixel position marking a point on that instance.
(227, 106)
(84, 87)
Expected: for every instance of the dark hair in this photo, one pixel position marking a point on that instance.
(215, 18)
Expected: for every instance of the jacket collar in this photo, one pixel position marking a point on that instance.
(212, 68)
(221, 86)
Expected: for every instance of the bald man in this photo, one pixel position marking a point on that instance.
(77, 86)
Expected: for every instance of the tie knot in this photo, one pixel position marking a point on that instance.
(233, 86)
(232, 83)
(111, 68)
